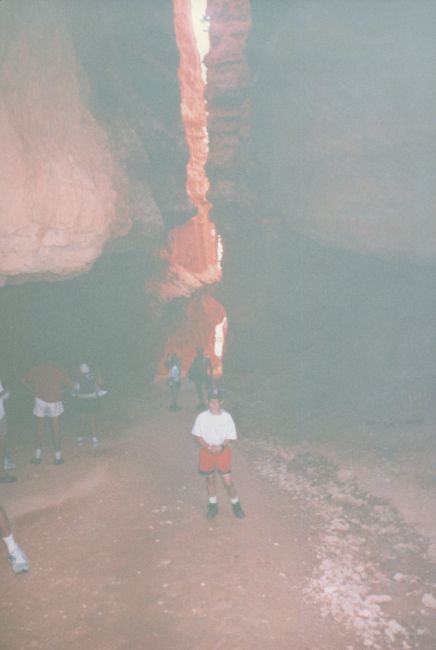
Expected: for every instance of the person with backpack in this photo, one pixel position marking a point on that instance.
(88, 388)
(201, 373)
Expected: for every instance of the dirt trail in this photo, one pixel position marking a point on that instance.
(122, 556)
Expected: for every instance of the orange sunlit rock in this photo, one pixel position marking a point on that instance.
(193, 107)
(192, 248)
(201, 315)
(194, 245)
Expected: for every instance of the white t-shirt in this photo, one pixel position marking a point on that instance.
(214, 429)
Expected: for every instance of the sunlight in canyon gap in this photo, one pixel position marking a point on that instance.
(196, 247)
(200, 24)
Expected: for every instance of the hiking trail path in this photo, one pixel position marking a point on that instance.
(122, 556)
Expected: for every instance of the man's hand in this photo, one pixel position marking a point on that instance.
(216, 449)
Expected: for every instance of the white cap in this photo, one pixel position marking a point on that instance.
(84, 368)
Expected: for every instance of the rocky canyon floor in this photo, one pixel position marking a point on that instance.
(337, 551)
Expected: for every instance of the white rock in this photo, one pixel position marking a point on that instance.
(429, 601)
(375, 598)
(393, 628)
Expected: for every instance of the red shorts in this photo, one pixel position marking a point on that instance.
(209, 462)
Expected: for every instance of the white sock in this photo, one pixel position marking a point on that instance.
(212, 500)
(10, 543)
(235, 500)
(58, 455)
(38, 452)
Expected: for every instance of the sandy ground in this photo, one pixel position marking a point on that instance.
(122, 556)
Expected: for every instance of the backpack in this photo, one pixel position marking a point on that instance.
(86, 384)
(199, 368)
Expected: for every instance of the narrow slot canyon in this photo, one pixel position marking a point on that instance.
(255, 180)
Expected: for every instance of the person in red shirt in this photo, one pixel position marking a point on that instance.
(46, 381)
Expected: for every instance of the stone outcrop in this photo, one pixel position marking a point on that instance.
(62, 192)
(191, 251)
(91, 134)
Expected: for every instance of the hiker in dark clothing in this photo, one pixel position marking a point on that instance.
(88, 388)
(201, 373)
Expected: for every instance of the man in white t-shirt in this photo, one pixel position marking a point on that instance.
(213, 431)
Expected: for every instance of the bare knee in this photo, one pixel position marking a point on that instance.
(227, 479)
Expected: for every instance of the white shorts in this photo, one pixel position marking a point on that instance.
(47, 409)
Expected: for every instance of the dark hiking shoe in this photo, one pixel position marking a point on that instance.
(212, 511)
(36, 461)
(58, 461)
(237, 510)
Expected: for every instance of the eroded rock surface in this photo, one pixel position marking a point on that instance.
(63, 193)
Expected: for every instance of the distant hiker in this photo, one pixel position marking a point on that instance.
(201, 373)
(214, 429)
(16, 556)
(174, 366)
(5, 462)
(46, 382)
(88, 388)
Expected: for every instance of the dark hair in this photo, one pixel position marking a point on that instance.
(215, 393)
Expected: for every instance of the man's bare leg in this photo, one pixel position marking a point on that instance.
(16, 556)
(39, 434)
(5, 477)
(5, 527)
(234, 499)
(56, 431)
(212, 508)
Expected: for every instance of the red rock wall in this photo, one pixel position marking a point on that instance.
(61, 190)
(196, 327)
(193, 109)
(192, 247)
